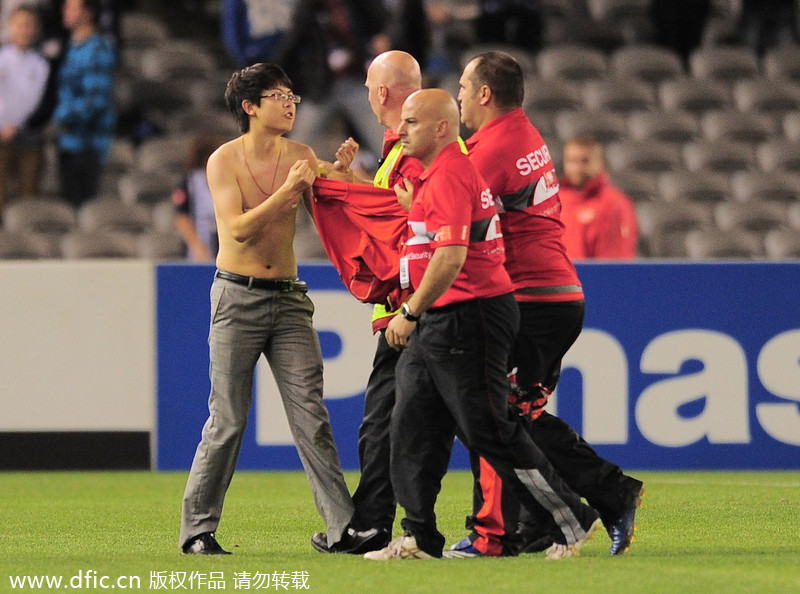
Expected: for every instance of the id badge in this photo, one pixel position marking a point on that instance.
(405, 280)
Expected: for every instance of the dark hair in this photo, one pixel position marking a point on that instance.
(248, 84)
(503, 75)
(30, 9)
(95, 7)
(584, 140)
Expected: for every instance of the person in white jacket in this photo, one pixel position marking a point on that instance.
(23, 78)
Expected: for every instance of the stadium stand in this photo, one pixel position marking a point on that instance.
(644, 156)
(723, 156)
(552, 95)
(754, 216)
(17, 245)
(737, 126)
(790, 125)
(664, 226)
(703, 187)
(47, 219)
(639, 187)
(694, 95)
(159, 245)
(782, 62)
(725, 63)
(526, 59)
(142, 29)
(163, 154)
(146, 187)
(649, 63)
(772, 97)
(713, 244)
(781, 244)
(619, 95)
(630, 17)
(115, 217)
(663, 126)
(779, 155)
(574, 62)
(747, 186)
(721, 129)
(96, 244)
(605, 126)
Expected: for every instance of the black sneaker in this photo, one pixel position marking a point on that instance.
(354, 542)
(622, 531)
(204, 544)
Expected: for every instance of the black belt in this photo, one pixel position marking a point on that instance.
(252, 282)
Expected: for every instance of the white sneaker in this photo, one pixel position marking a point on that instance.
(563, 551)
(401, 548)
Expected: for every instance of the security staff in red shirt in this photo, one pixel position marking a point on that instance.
(514, 160)
(456, 331)
(391, 77)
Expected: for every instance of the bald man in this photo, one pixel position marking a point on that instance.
(391, 78)
(455, 333)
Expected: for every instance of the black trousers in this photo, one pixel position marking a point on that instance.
(547, 331)
(374, 497)
(80, 176)
(451, 380)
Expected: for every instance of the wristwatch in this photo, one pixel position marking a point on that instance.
(405, 311)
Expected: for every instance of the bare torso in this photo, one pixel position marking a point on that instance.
(256, 196)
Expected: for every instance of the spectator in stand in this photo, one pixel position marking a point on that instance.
(680, 24)
(768, 23)
(8, 7)
(409, 30)
(84, 113)
(514, 22)
(253, 29)
(600, 219)
(194, 206)
(23, 78)
(325, 53)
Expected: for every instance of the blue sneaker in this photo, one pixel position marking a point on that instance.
(462, 550)
(622, 531)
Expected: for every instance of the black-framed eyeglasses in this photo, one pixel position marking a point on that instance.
(283, 97)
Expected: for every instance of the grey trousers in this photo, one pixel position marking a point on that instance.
(244, 324)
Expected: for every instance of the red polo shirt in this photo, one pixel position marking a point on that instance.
(600, 221)
(453, 206)
(514, 160)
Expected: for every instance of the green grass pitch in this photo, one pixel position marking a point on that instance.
(709, 532)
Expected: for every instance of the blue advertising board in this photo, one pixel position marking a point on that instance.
(679, 366)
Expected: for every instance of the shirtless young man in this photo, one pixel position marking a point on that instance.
(258, 305)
